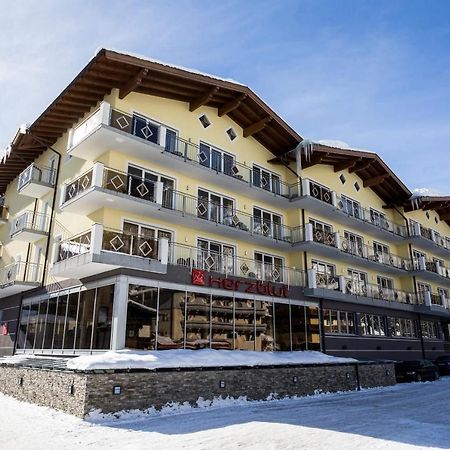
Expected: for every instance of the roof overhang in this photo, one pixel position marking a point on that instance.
(110, 69)
(440, 204)
(374, 172)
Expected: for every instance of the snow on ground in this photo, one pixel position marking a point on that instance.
(399, 417)
(132, 359)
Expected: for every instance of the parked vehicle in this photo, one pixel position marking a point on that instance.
(418, 370)
(443, 364)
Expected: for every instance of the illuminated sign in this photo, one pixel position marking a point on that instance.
(201, 278)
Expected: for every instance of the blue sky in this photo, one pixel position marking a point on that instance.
(374, 74)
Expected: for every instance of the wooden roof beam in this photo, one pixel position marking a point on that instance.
(445, 216)
(257, 126)
(348, 164)
(361, 166)
(374, 181)
(231, 105)
(132, 83)
(202, 99)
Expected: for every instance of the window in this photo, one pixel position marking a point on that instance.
(378, 219)
(431, 330)
(353, 244)
(351, 207)
(268, 267)
(267, 223)
(325, 275)
(216, 159)
(444, 292)
(215, 207)
(342, 178)
(135, 239)
(204, 121)
(231, 134)
(399, 327)
(357, 187)
(155, 132)
(372, 325)
(421, 289)
(357, 282)
(215, 256)
(266, 180)
(141, 184)
(381, 253)
(385, 283)
(338, 322)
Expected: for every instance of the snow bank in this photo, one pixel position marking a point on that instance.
(130, 359)
(340, 144)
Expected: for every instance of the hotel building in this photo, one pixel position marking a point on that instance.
(154, 207)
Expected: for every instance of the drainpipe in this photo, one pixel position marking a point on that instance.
(47, 248)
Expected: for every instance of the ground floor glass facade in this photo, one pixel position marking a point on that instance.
(161, 318)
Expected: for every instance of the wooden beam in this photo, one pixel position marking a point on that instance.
(257, 126)
(375, 180)
(132, 83)
(445, 216)
(361, 166)
(348, 164)
(202, 99)
(231, 105)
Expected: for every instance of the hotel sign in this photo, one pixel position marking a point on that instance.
(202, 278)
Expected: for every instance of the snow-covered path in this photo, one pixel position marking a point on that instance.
(404, 416)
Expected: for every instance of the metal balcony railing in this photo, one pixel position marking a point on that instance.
(369, 253)
(371, 217)
(233, 265)
(30, 221)
(20, 272)
(415, 229)
(37, 174)
(363, 289)
(74, 246)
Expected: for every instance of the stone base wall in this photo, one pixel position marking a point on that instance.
(78, 393)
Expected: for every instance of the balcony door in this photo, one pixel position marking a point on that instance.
(351, 207)
(215, 207)
(381, 253)
(353, 244)
(357, 282)
(266, 223)
(268, 267)
(216, 159)
(142, 185)
(325, 275)
(215, 256)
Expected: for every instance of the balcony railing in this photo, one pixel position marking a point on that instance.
(371, 217)
(204, 156)
(415, 229)
(433, 299)
(345, 285)
(74, 246)
(38, 174)
(232, 265)
(170, 199)
(20, 272)
(369, 253)
(30, 221)
(426, 265)
(363, 289)
(134, 244)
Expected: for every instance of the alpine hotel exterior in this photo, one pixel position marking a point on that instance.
(153, 207)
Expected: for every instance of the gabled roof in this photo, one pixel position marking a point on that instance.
(440, 204)
(374, 172)
(110, 69)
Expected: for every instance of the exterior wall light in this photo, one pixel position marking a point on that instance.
(347, 375)
(388, 372)
(295, 379)
(20, 381)
(222, 384)
(71, 389)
